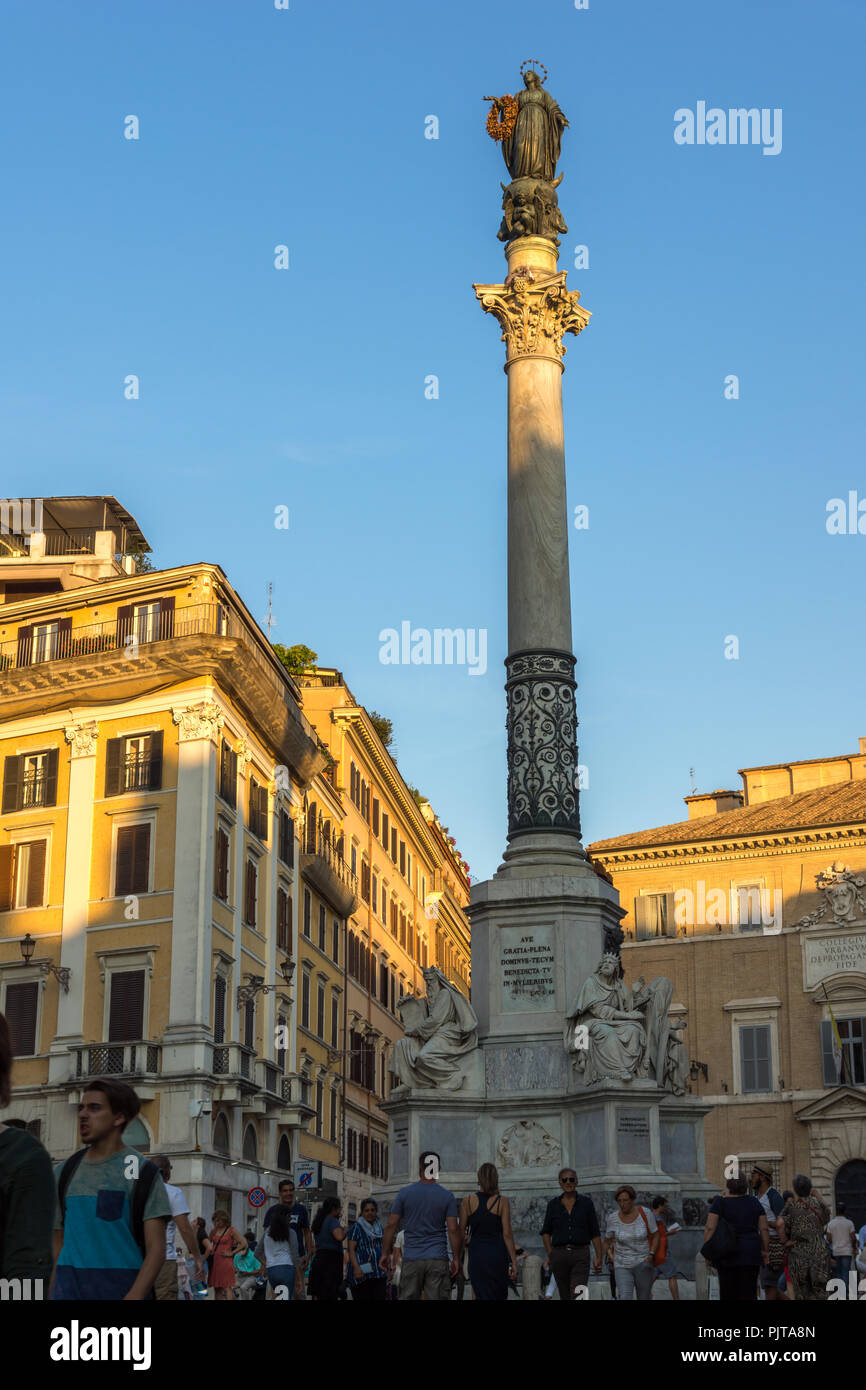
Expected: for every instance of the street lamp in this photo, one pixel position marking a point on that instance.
(695, 1068)
(257, 983)
(60, 972)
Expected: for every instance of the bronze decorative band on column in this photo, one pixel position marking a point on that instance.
(542, 742)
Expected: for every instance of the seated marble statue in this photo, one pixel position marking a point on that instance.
(615, 1038)
(429, 1054)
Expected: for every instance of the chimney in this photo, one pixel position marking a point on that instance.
(713, 803)
(863, 745)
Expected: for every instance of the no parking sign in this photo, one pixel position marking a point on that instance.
(257, 1196)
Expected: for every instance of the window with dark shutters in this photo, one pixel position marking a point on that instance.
(124, 624)
(287, 840)
(376, 816)
(154, 782)
(282, 920)
(49, 795)
(394, 845)
(113, 758)
(126, 1006)
(221, 876)
(132, 863)
(250, 1023)
(7, 869)
(308, 910)
(22, 1004)
(228, 775)
(166, 617)
(219, 1009)
(305, 1000)
(258, 812)
(335, 942)
(403, 858)
(320, 1010)
(25, 645)
(12, 784)
(335, 1018)
(385, 831)
(250, 894)
(383, 984)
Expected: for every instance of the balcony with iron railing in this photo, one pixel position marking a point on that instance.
(128, 654)
(322, 864)
(130, 1059)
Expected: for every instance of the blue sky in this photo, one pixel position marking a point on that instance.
(305, 387)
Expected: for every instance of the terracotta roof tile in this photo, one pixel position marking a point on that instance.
(841, 803)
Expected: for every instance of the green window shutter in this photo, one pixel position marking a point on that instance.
(36, 874)
(52, 759)
(12, 784)
(113, 759)
(155, 782)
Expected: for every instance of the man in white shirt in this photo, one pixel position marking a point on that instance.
(165, 1284)
(843, 1239)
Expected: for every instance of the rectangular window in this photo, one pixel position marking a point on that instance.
(393, 991)
(323, 928)
(250, 1023)
(219, 1009)
(287, 838)
(308, 914)
(402, 929)
(335, 1133)
(376, 816)
(403, 858)
(408, 868)
(22, 1005)
(221, 865)
(335, 1018)
(852, 1034)
(394, 917)
(394, 845)
(746, 906)
(133, 763)
(132, 860)
(654, 915)
(305, 999)
(319, 1100)
(320, 1010)
(126, 1006)
(251, 893)
(335, 942)
(385, 830)
(383, 984)
(258, 810)
(375, 895)
(283, 921)
(30, 779)
(755, 1058)
(228, 775)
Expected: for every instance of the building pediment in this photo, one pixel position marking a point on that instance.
(842, 1103)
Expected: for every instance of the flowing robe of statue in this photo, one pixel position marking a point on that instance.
(533, 147)
(655, 1000)
(617, 1045)
(429, 1054)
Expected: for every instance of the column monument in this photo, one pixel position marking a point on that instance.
(571, 1064)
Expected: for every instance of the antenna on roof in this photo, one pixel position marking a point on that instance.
(270, 613)
(694, 790)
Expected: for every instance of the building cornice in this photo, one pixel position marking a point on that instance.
(753, 847)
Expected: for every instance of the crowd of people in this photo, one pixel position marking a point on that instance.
(109, 1223)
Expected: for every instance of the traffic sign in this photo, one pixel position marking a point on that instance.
(308, 1174)
(257, 1196)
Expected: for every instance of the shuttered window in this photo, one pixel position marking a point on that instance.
(755, 1058)
(219, 1009)
(376, 816)
(221, 865)
(30, 779)
(335, 1018)
(132, 864)
(654, 915)
(319, 1100)
(287, 839)
(335, 942)
(228, 775)
(22, 1005)
(335, 1133)
(305, 1000)
(250, 893)
(133, 763)
(258, 809)
(126, 1006)
(323, 928)
(320, 1010)
(385, 831)
(383, 984)
(394, 845)
(282, 920)
(308, 910)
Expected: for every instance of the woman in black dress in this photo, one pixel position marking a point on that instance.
(485, 1222)
(326, 1271)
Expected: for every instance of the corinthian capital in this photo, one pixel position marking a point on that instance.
(203, 720)
(83, 738)
(534, 313)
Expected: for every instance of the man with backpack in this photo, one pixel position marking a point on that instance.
(112, 1206)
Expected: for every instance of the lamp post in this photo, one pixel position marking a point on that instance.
(60, 972)
(257, 984)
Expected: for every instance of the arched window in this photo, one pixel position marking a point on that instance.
(250, 1145)
(136, 1136)
(221, 1134)
(284, 1155)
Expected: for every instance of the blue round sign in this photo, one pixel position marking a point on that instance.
(257, 1196)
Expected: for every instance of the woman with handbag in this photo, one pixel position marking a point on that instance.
(737, 1242)
(226, 1244)
(631, 1238)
